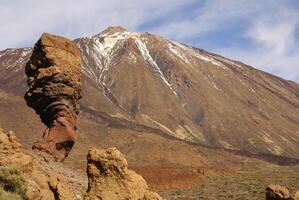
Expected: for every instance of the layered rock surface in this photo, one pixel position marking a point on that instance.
(54, 80)
(110, 179)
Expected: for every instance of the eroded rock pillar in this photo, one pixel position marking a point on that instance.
(54, 80)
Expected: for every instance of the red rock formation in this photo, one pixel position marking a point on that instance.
(54, 80)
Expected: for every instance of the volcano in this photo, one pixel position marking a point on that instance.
(163, 102)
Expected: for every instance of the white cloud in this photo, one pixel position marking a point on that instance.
(23, 21)
(270, 28)
(270, 25)
(273, 45)
(275, 34)
(286, 66)
(213, 15)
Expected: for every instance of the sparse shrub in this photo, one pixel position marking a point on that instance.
(178, 192)
(11, 181)
(8, 196)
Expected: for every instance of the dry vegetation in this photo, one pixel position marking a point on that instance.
(240, 186)
(12, 184)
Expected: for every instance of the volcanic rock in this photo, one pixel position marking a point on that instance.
(10, 152)
(277, 192)
(39, 183)
(59, 187)
(110, 179)
(54, 81)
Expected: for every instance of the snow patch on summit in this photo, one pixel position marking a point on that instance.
(16, 64)
(101, 49)
(181, 49)
(147, 57)
(173, 48)
(26, 52)
(105, 43)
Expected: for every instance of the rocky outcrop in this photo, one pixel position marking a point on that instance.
(110, 179)
(54, 80)
(39, 183)
(10, 152)
(108, 175)
(277, 192)
(59, 187)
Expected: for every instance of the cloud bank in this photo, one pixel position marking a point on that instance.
(264, 34)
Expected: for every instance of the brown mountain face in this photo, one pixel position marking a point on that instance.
(144, 93)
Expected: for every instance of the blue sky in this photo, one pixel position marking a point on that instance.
(261, 33)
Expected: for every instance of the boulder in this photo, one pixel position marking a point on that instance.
(277, 192)
(110, 179)
(54, 80)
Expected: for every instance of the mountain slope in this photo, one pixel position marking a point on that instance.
(179, 91)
